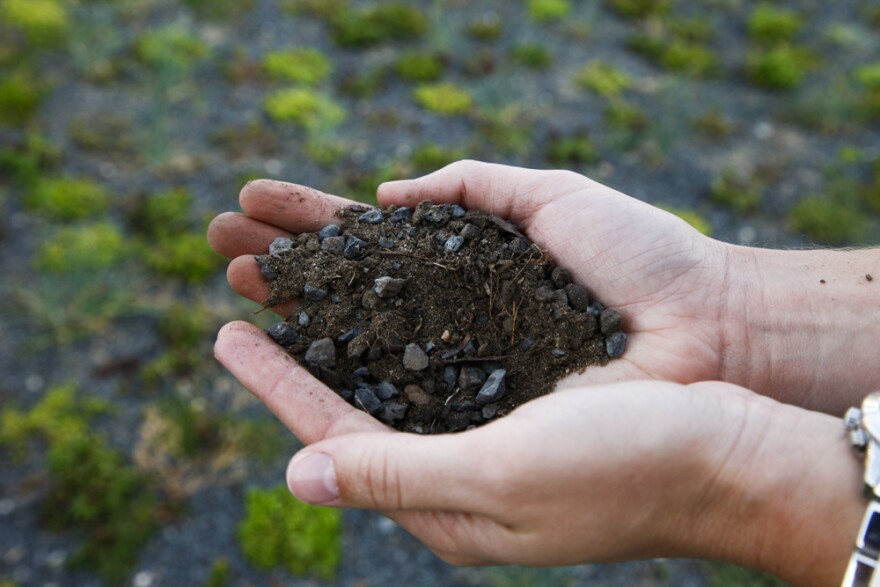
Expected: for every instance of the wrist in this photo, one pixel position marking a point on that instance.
(787, 497)
(801, 326)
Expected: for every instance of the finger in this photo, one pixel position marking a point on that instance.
(291, 207)
(232, 234)
(392, 472)
(310, 409)
(510, 192)
(244, 277)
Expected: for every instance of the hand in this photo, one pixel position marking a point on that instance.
(616, 471)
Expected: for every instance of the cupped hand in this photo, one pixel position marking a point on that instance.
(667, 280)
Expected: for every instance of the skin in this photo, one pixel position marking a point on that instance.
(629, 461)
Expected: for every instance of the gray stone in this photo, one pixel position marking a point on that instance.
(280, 245)
(450, 376)
(610, 321)
(417, 396)
(471, 378)
(386, 391)
(370, 300)
(283, 333)
(371, 217)
(578, 298)
(401, 215)
(357, 346)
(387, 243)
(453, 244)
(558, 353)
(388, 287)
(560, 277)
(471, 232)
(314, 294)
(265, 270)
(347, 394)
(615, 344)
(393, 413)
(328, 231)
(345, 337)
(596, 309)
(365, 399)
(354, 248)
(456, 211)
(526, 343)
(303, 319)
(489, 411)
(414, 358)
(518, 246)
(321, 353)
(333, 245)
(494, 388)
(360, 373)
(437, 215)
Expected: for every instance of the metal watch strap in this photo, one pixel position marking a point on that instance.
(864, 429)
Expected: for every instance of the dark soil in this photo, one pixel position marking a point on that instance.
(435, 319)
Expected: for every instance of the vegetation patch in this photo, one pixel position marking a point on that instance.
(305, 108)
(305, 66)
(549, 10)
(371, 25)
(444, 98)
(603, 78)
(67, 198)
(43, 22)
(88, 248)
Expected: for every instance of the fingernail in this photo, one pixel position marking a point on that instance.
(312, 479)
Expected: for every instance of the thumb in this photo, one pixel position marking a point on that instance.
(389, 471)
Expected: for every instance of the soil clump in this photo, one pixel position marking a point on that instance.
(433, 319)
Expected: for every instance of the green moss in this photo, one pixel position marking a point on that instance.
(487, 28)
(162, 213)
(44, 22)
(82, 248)
(549, 10)
(506, 131)
(371, 25)
(184, 329)
(779, 68)
(603, 78)
(67, 198)
(829, 220)
(220, 575)
(431, 156)
(739, 194)
(171, 46)
(323, 9)
(363, 83)
(640, 9)
(219, 9)
(444, 98)
(565, 151)
(263, 439)
(28, 160)
(723, 575)
(195, 430)
(419, 67)
(770, 25)
(691, 217)
(304, 107)
(278, 530)
(306, 66)
(689, 58)
(186, 256)
(625, 116)
(20, 98)
(326, 152)
(532, 55)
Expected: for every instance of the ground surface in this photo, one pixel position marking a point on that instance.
(164, 108)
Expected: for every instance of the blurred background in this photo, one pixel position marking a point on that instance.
(127, 455)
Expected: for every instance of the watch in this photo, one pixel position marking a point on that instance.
(863, 426)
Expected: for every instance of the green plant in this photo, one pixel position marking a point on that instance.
(549, 10)
(691, 217)
(44, 22)
(186, 256)
(325, 151)
(506, 130)
(625, 116)
(741, 194)
(532, 55)
(263, 439)
(85, 248)
(305, 66)
(564, 151)
(640, 9)
(868, 78)
(419, 67)
(170, 47)
(689, 58)
(603, 78)
(444, 98)
(431, 156)
(724, 575)
(324, 9)
(220, 574)
(779, 68)
(278, 530)
(67, 198)
(770, 25)
(363, 27)
(486, 28)
(20, 97)
(27, 160)
(304, 107)
(194, 430)
(831, 220)
(218, 9)
(184, 329)
(713, 123)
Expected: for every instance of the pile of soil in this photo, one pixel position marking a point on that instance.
(433, 319)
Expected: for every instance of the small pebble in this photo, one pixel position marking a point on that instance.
(414, 358)
(354, 248)
(456, 211)
(437, 215)
(526, 344)
(560, 277)
(518, 246)
(265, 270)
(471, 232)
(489, 411)
(370, 300)
(328, 231)
(386, 391)
(493, 390)
(471, 378)
(303, 319)
(464, 405)
(388, 287)
(371, 217)
(393, 413)
(417, 396)
(345, 337)
(347, 394)
(401, 215)
(615, 344)
(450, 355)
(279, 245)
(357, 346)
(558, 353)
(429, 346)
(453, 244)
(283, 333)
(450, 376)
(610, 322)
(470, 349)
(314, 294)
(333, 245)
(360, 373)
(321, 353)
(365, 399)
(578, 298)
(387, 243)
